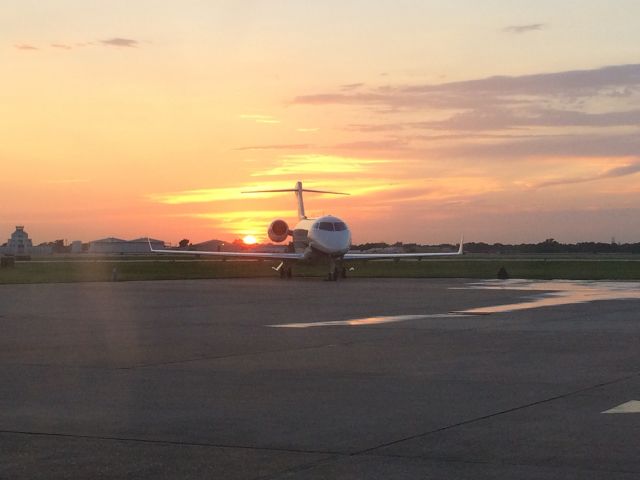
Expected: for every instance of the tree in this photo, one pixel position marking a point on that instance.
(184, 243)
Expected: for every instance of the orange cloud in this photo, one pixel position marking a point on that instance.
(316, 163)
(259, 118)
(25, 47)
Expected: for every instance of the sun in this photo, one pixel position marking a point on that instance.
(249, 240)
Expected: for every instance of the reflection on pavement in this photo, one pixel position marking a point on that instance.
(366, 321)
(555, 292)
(545, 294)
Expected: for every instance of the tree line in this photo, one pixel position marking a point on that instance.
(549, 245)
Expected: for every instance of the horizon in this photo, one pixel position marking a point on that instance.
(267, 242)
(508, 123)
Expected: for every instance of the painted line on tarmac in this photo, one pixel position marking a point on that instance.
(632, 406)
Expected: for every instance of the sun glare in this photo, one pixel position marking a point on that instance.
(249, 240)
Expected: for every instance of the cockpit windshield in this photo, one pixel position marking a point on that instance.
(339, 226)
(326, 226)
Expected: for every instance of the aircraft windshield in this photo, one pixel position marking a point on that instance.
(326, 226)
(339, 226)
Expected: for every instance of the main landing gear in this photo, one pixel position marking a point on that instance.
(286, 272)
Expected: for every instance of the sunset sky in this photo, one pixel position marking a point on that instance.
(509, 121)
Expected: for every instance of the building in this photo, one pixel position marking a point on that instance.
(76, 246)
(209, 246)
(118, 245)
(20, 244)
(271, 248)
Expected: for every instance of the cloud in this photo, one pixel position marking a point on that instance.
(344, 99)
(351, 86)
(372, 145)
(25, 46)
(517, 126)
(359, 186)
(293, 146)
(519, 29)
(120, 42)
(317, 164)
(491, 119)
(393, 144)
(557, 146)
(496, 119)
(623, 170)
(616, 172)
(496, 90)
(259, 118)
(202, 195)
(110, 42)
(570, 82)
(569, 114)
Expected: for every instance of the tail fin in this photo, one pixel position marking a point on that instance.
(298, 190)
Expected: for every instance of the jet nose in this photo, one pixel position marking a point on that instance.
(343, 241)
(332, 242)
(330, 235)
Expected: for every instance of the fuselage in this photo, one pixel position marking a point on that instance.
(326, 235)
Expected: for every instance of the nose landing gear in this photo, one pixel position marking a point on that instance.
(336, 271)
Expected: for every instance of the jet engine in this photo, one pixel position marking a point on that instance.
(278, 231)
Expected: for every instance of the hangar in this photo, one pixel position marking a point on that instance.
(118, 245)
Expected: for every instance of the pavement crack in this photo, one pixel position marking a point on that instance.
(168, 442)
(496, 414)
(231, 355)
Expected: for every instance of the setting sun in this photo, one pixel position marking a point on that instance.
(249, 240)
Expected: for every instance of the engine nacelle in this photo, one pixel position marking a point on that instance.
(278, 231)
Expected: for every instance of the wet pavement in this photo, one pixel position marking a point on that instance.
(189, 379)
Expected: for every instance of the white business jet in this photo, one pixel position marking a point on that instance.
(325, 240)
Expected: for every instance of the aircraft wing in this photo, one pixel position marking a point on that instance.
(380, 256)
(244, 255)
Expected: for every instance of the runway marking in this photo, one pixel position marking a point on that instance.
(546, 294)
(632, 406)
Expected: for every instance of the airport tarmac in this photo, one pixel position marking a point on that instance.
(304, 379)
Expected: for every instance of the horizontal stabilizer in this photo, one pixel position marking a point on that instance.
(299, 189)
(295, 190)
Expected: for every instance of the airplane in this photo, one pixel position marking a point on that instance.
(324, 240)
